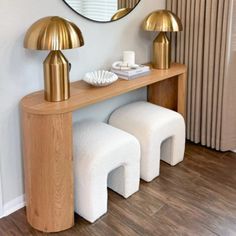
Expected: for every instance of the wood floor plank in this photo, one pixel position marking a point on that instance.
(118, 226)
(196, 197)
(133, 217)
(214, 223)
(177, 223)
(141, 201)
(201, 195)
(7, 228)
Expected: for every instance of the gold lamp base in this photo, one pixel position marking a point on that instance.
(56, 77)
(161, 52)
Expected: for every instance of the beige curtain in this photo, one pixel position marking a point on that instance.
(127, 3)
(229, 106)
(203, 46)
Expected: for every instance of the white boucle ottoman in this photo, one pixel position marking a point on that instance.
(152, 125)
(104, 156)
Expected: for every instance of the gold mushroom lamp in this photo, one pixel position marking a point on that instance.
(121, 13)
(55, 34)
(162, 21)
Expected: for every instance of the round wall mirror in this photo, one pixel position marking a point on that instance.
(102, 10)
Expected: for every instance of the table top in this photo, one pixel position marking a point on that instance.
(83, 94)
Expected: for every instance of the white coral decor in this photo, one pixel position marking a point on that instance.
(100, 78)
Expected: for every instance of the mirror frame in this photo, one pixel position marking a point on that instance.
(111, 21)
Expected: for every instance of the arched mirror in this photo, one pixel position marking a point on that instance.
(102, 10)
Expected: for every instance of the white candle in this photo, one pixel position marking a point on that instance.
(129, 58)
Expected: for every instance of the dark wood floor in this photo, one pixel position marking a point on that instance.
(197, 197)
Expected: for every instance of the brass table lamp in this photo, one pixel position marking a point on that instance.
(54, 33)
(162, 21)
(121, 13)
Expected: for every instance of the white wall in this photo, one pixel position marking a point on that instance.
(21, 69)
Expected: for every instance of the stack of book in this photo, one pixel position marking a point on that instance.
(132, 73)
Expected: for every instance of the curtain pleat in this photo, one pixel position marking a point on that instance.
(217, 89)
(222, 79)
(178, 35)
(211, 78)
(173, 39)
(127, 3)
(199, 69)
(182, 35)
(202, 46)
(190, 65)
(228, 118)
(168, 4)
(195, 67)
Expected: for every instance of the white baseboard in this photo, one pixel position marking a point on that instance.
(13, 205)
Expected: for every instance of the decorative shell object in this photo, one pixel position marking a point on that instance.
(100, 78)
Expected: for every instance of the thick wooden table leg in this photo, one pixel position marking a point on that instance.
(47, 145)
(169, 93)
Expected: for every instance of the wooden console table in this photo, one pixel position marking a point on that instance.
(47, 140)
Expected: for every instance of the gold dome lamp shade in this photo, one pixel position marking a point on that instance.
(162, 21)
(121, 13)
(55, 34)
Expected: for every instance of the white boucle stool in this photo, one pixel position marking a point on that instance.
(104, 156)
(152, 125)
